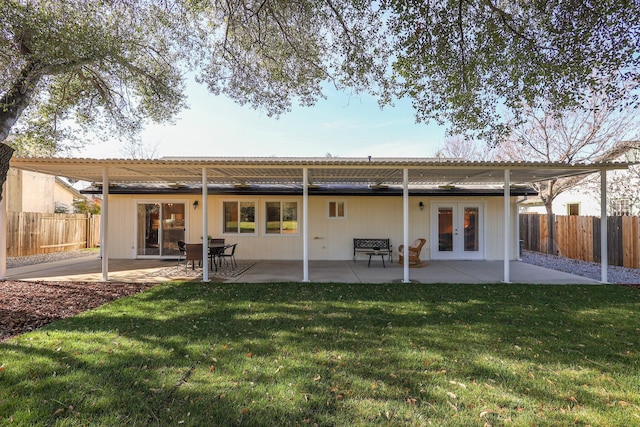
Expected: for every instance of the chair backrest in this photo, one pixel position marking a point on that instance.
(418, 244)
(216, 242)
(232, 247)
(193, 251)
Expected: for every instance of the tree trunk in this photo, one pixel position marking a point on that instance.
(12, 104)
(551, 227)
(17, 98)
(5, 155)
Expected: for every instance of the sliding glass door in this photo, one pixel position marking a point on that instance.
(160, 227)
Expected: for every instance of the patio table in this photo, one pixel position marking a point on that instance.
(382, 254)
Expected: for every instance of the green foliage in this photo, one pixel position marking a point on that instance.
(75, 66)
(334, 354)
(79, 67)
(461, 61)
(86, 206)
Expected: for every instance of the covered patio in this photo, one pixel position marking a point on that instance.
(88, 269)
(315, 175)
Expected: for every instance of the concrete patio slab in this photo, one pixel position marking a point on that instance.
(126, 270)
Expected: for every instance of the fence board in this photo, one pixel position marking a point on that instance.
(31, 233)
(614, 240)
(579, 237)
(635, 232)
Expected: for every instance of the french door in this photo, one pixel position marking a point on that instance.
(457, 230)
(160, 227)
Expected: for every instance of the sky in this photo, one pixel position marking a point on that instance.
(343, 125)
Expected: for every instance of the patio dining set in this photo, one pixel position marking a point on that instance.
(218, 251)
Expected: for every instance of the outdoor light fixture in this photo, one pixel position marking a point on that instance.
(195, 205)
(421, 206)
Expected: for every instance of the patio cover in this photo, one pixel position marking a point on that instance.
(312, 172)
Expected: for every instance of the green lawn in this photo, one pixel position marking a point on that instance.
(334, 354)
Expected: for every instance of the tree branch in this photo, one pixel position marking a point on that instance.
(462, 54)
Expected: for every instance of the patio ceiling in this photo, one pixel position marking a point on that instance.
(321, 170)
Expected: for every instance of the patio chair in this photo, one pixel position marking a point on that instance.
(228, 255)
(193, 253)
(414, 253)
(181, 250)
(216, 247)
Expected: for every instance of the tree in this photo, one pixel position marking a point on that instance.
(623, 187)
(136, 149)
(473, 62)
(82, 65)
(601, 131)
(459, 147)
(86, 206)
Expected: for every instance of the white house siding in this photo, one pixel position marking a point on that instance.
(329, 239)
(375, 217)
(589, 204)
(494, 235)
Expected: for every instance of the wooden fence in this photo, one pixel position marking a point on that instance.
(31, 233)
(578, 237)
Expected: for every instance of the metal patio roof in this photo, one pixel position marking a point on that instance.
(321, 170)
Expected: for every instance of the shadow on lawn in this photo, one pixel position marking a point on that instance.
(320, 353)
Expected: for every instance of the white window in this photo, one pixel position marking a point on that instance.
(239, 217)
(336, 209)
(621, 207)
(573, 208)
(281, 218)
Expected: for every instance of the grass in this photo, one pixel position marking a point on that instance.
(334, 354)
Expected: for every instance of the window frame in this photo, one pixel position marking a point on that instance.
(238, 202)
(337, 202)
(617, 207)
(570, 205)
(266, 218)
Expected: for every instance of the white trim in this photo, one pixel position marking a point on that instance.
(507, 226)
(305, 225)
(604, 254)
(281, 200)
(337, 217)
(405, 224)
(205, 227)
(256, 217)
(568, 205)
(136, 230)
(458, 252)
(104, 219)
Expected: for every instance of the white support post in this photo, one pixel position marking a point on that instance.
(205, 227)
(507, 225)
(104, 220)
(3, 235)
(517, 239)
(405, 224)
(604, 250)
(305, 225)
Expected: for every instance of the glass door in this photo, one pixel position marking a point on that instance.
(459, 231)
(160, 227)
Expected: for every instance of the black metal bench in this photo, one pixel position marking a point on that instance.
(371, 245)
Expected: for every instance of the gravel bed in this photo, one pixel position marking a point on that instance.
(620, 275)
(13, 262)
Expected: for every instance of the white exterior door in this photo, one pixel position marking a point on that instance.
(458, 230)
